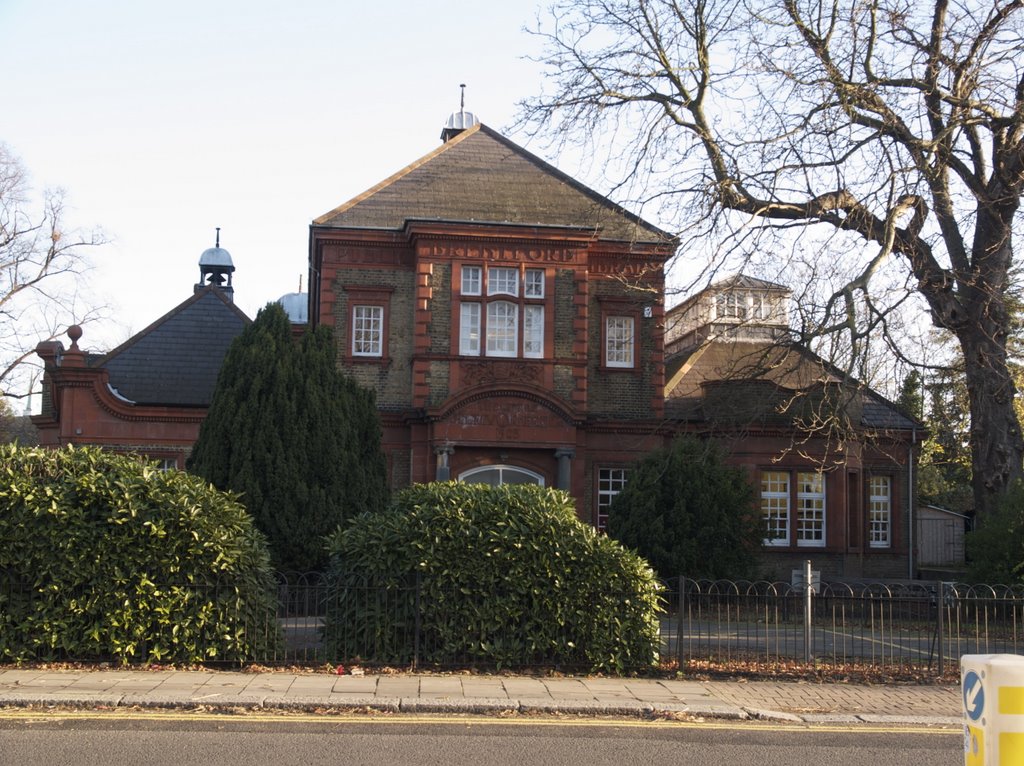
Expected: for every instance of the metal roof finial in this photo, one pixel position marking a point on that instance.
(462, 99)
(218, 237)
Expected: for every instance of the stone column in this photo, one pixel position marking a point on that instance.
(444, 471)
(564, 468)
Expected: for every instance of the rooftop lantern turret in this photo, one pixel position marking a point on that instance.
(460, 120)
(216, 268)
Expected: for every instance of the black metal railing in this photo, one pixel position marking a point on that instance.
(926, 626)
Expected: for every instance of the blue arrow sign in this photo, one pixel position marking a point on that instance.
(974, 696)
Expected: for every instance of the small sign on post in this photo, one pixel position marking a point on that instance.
(799, 580)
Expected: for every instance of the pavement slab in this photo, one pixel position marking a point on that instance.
(789, 702)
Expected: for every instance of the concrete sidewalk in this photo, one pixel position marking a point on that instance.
(487, 694)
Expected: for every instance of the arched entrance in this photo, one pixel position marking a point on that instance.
(495, 475)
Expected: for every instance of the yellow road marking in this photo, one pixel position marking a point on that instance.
(384, 718)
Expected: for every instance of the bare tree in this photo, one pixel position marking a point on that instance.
(896, 125)
(41, 267)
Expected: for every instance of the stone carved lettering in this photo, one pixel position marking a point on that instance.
(496, 253)
(508, 416)
(624, 269)
(478, 373)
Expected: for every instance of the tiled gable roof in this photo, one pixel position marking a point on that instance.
(480, 176)
(726, 381)
(175, 361)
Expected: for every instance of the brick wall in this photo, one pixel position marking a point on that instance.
(625, 393)
(391, 380)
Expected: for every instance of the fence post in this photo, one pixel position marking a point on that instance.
(416, 623)
(679, 622)
(940, 628)
(808, 606)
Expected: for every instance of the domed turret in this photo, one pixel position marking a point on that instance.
(216, 268)
(296, 305)
(460, 120)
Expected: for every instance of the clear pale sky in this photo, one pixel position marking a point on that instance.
(165, 120)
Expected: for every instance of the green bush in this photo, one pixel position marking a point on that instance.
(296, 439)
(105, 556)
(689, 513)
(995, 550)
(506, 575)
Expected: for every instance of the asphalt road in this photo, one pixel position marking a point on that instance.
(257, 740)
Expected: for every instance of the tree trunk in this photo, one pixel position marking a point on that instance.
(997, 448)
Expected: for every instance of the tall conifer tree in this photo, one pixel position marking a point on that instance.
(299, 441)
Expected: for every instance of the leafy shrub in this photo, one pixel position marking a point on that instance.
(995, 549)
(105, 556)
(506, 575)
(689, 513)
(294, 437)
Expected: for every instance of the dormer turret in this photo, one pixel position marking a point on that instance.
(741, 307)
(216, 268)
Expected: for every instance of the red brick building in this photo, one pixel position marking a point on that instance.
(831, 460)
(509, 318)
(511, 322)
(150, 394)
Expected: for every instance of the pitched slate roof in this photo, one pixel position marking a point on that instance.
(726, 381)
(480, 176)
(175, 361)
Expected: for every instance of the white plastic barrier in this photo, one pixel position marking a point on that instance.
(992, 690)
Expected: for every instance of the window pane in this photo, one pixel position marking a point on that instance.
(469, 329)
(619, 341)
(501, 328)
(610, 482)
(775, 507)
(534, 283)
(367, 330)
(810, 509)
(470, 280)
(533, 331)
(502, 281)
(731, 305)
(879, 512)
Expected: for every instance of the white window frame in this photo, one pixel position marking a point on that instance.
(503, 280)
(879, 511)
(469, 329)
(810, 509)
(501, 472)
(533, 330)
(775, 510)
(367, 330)
(619, 341)
(533, 283)
(472, 280)
(502, 331)
(610, 482)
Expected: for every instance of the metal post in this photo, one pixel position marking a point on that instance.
(808, 604)
(941, 628)
(416, 626)
(679, 623)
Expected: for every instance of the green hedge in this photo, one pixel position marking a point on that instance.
(103, 556)
(503, 575)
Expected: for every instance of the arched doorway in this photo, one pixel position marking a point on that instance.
(495, 475)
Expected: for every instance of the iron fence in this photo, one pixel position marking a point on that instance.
(922, 625)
